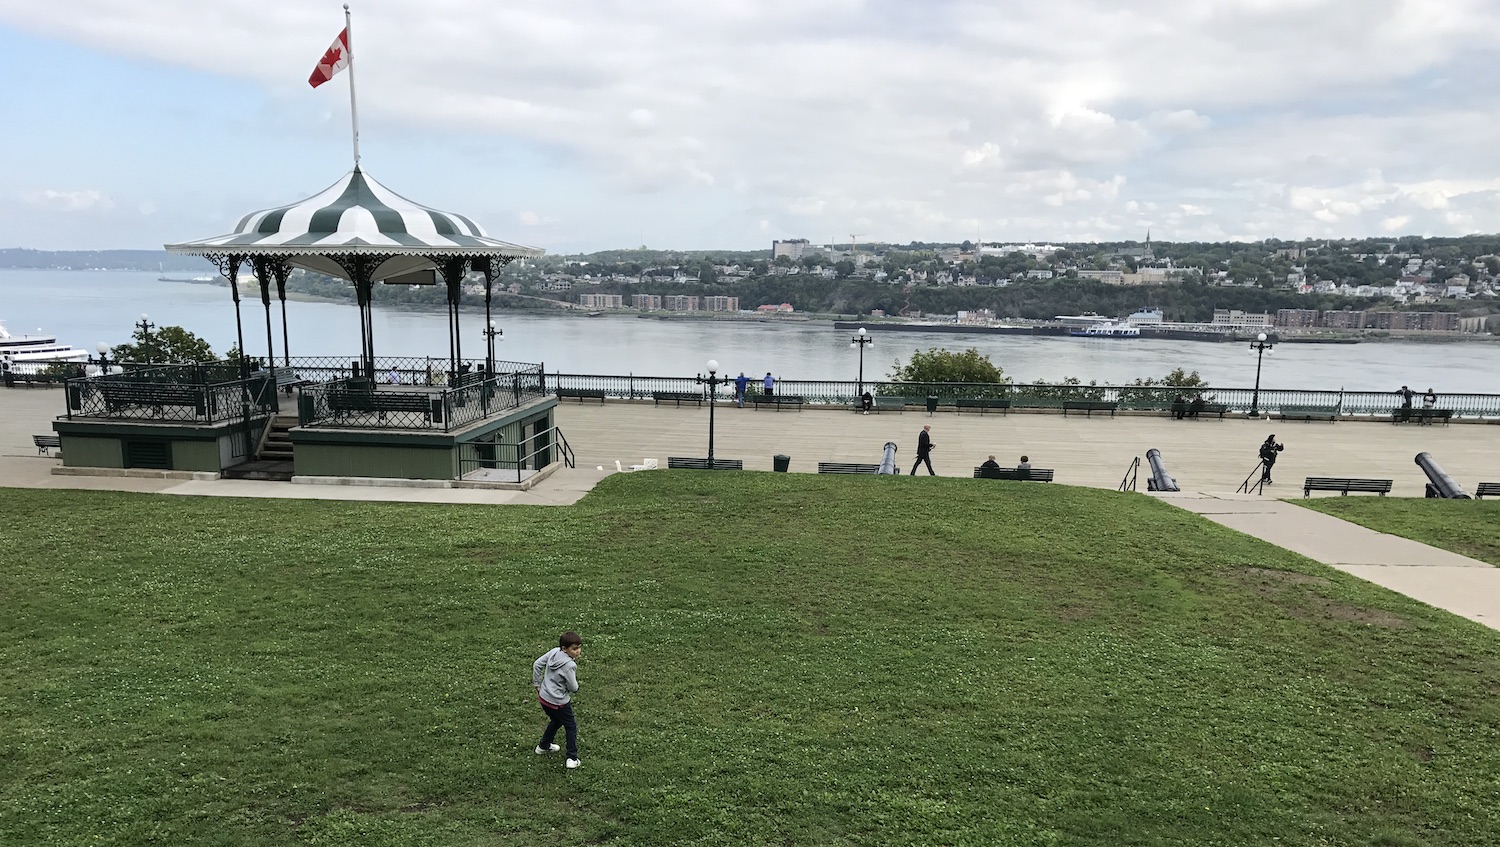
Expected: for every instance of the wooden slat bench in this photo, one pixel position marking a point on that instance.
(677, 463)
(582, 394)
(379, 401)
(678, 397)
(1206, 409)
(779, 400)
(45, 443)
(1487, 489)
(1421, 416)
(1307, 413)
(1343, 485)
(150, 394)
(847, 467)
(891, 404)
(1019, 474)
(287, 379)
(1089, 407)
(980, 403)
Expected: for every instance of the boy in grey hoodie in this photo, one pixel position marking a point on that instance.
(555, 676)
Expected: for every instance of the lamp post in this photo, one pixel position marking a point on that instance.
(102, 362)
(861, 340)
(1260, 346)
(713, 381)
(145, 326)
(490, 333)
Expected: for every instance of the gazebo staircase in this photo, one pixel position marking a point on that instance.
(274, 461)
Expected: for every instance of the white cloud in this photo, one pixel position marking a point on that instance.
(67, 201)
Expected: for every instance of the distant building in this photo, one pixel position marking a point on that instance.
(646, 302)
(1297, 317)
(721, 304)
(793, 249)
(1343, 319)
(1108, 277)
(680, 303)
(977, 316)
(1241, 320)
(601, 301)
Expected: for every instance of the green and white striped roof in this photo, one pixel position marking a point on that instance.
(355, 216)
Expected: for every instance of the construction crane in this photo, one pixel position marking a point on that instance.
(853, 244)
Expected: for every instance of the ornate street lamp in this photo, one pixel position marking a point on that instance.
(861, 340)
(713, 381)
(1259, 346)
(145, 326)
(490, 333)
(102, 362)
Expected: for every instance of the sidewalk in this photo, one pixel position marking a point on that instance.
(1209, 458)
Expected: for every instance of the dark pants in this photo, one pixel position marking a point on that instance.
(560, 716)
(923, 459)
(1265, 468)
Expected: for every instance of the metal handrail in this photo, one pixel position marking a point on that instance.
(516, 461)
(1260, 484)
(1128, 483)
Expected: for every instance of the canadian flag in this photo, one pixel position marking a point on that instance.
(335, 60)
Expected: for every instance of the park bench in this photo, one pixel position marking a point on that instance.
(1421, 416)
(847, 467)
(1344, 486)
(344, 402)
(677, 463)
(1089, 407)
(150, 395)
(1307, 413)
(980, 403)
(582, 394)
(1487, 489)
(287, 379)
(1019, 474)
(678, 397)
(1206, 409)
(46, 442)
(778, 400)
(891, 404)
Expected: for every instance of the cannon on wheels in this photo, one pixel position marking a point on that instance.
(1439, 484)
(1160, 480)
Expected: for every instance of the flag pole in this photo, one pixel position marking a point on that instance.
(353, 107)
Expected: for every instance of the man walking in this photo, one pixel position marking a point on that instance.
(1268, 452)
(924, 451)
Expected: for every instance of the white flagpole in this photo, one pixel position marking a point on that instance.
(353, 107)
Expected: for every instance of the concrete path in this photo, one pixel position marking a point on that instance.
(1466, 587)
(1205, 456)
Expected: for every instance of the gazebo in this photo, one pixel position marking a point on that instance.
(353, 422)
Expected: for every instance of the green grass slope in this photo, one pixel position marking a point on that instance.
(1467, 527)
(769, 659)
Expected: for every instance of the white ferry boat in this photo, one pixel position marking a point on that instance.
(29, 354)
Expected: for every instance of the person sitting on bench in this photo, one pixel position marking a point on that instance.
(990, 464)
(866, 402)
(1196, 406)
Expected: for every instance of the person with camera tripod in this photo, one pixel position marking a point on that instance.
(1268, 452)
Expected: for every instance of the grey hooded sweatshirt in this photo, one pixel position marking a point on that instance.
(554, 676)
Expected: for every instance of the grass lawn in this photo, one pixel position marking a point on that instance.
(768, 659)
(1468, 527)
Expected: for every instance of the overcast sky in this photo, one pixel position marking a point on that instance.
(599, 124)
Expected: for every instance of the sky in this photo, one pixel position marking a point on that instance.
(606, 124)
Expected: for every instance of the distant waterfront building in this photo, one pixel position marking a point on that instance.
(1108, 277)
(793, 249)
(721, 304)
(1343, 319)
(1297, 318)
(1237, 319)
(680, 303)
(601, 301)
(983, 317)
(1421, 321)
(646, 302)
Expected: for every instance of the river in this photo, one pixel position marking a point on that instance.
(83, 308)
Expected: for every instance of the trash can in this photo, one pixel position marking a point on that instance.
(780, 463)
(931, 404)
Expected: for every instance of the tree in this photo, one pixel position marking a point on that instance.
(164, 345)
(843, 268)
(943, 366)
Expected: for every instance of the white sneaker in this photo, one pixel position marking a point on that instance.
(573, 763)
(551, 749)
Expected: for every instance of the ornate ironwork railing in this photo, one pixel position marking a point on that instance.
(176, 398)
(366, 404)
(1346, 404)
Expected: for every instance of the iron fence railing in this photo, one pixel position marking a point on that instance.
(133, 396)
(364, 404)
(500, 461)
(1347, 404)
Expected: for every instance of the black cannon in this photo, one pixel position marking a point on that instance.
(1160, 480)
(1439, 484)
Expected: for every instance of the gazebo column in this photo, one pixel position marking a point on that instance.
(491, 268)
(360, 271)
(262, 267)
(281, 268)
(453, 277)
(229, 266)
